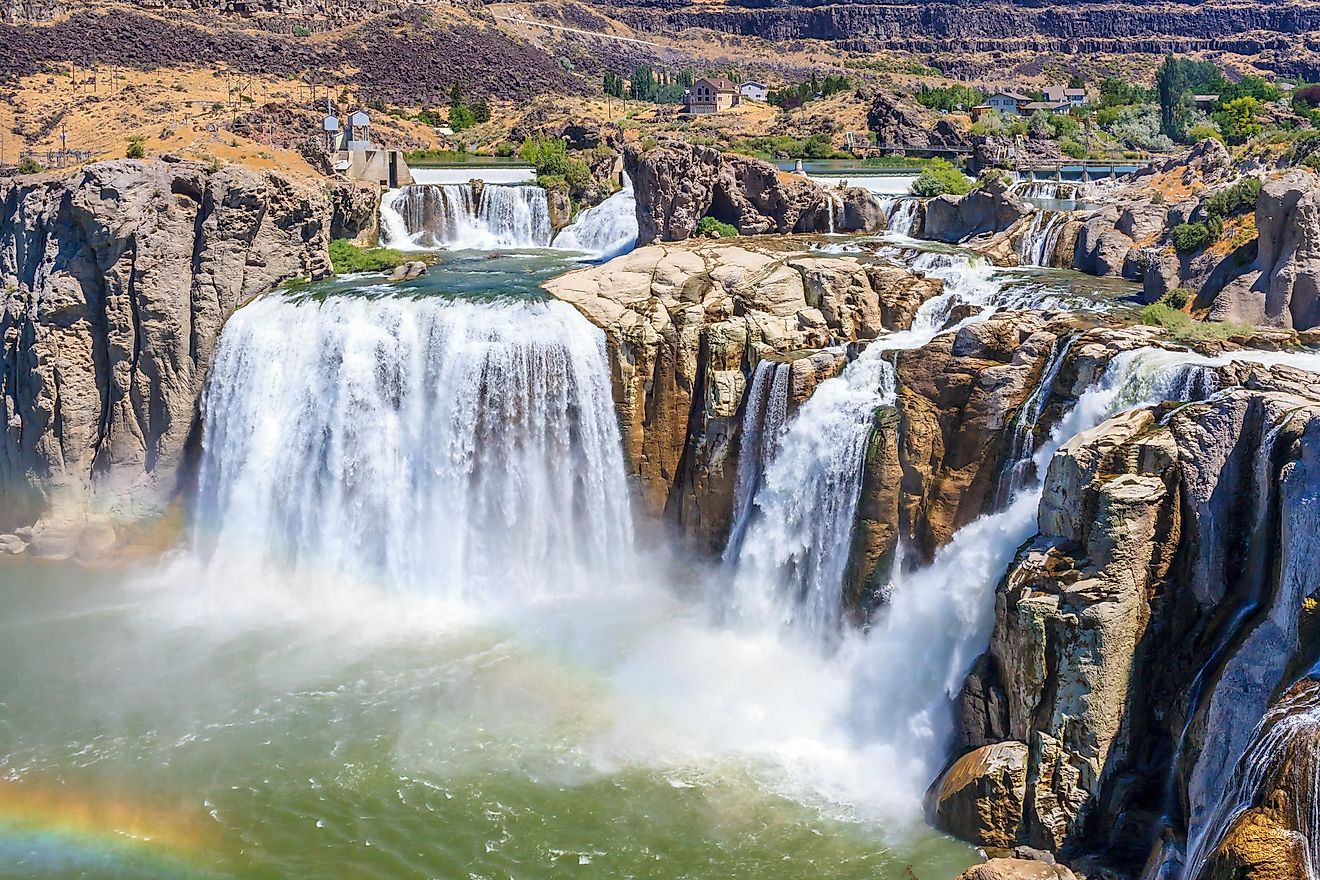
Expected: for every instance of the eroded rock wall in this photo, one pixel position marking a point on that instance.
(116, 281)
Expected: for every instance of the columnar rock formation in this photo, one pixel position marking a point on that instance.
(686, 326)
(1159, 531)
(115, 283)
(678, 183)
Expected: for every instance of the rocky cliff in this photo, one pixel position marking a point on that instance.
(678, 183)
(115, 282)
(1110, 694)
(686, 326)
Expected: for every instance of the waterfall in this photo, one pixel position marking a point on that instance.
(1018, 464)
(913, 660)
(606, 230)
(901, 215)
(1241, 690)
(765, 413)
(1046, 190)
(796, 534)
(1037, 245)
(454, 215)
(1282, 756)
(436, 447)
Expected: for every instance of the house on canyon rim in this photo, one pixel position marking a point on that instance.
(710, 96)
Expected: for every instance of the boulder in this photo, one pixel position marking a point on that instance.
(990, 209)
(1017, 869)
(686, 325)
(981, 796)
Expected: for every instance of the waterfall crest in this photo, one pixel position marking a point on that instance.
(901, 215)
(459, 216)
(438, 447)
(1038, 243)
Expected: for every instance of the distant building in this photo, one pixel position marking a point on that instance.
(359, 131)
(1007, 103)
(754, 91)
(1047, 106)
(1205, 102)
(1071, 97)
(710, 96)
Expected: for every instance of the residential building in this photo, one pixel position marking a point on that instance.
(1205, 102)
(1071, 97)
(754, 91)
(1007, 103)
(710, 96)
(1048, 106)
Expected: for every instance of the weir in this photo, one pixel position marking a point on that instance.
(461, 216)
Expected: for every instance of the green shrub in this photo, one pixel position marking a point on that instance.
(710, 227)
(1183, 326)
(1190, 237)
(941, 178)
(1072, 149)
(551, 159)
(1158, 198)
(28, 165)
(1237, 199)
(136, 147)
(1179, 297)
(347, 257)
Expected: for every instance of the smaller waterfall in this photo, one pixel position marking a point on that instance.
(1019, 463)
(901, 215)
(762, 425)
(454, 215)
(1038, 243)
(606, 230)
(1283, 756)
(1047, 190)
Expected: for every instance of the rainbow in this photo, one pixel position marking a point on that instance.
(58, 831)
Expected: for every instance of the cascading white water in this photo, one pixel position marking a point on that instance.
(797, 533)
(1019, 462)
(763, 421)
(901, 215)
(1038, 243)
(913, 659)
(1046, 190)
(453, 215)
(605, 230)
(443, 448)
(1282, 756)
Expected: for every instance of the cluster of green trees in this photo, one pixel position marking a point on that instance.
(940, 178)
(649, 84)
(950, 98)
(556, 169)
(807, 90)
(1236, 114)
(462, 114)
(818, 146)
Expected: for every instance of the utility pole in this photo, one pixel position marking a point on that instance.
(64, 143)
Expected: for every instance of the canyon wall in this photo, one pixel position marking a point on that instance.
(115, 282)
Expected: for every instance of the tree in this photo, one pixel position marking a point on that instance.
(1177, 80)
(137, 148)
(28, 165)
(1076, 82)
(1237, 119)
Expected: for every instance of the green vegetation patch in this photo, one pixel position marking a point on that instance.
(346, 257)
(712, 228)
(1183, 326)
(941, 178)
(556, 170)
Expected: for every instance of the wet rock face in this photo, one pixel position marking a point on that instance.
(897, 123)
(1144, 550)
(678, 183)
(114, 284)
(687, 324)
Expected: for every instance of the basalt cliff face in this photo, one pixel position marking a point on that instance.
(115, 282)
(1260, 29)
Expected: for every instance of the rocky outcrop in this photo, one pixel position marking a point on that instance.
(355, 212)
(1017, 869)
(678, 183)
(898, 124)
(1151, 542)
(685, 327)
(1282, 287)
(116, 281)
(988, 210)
